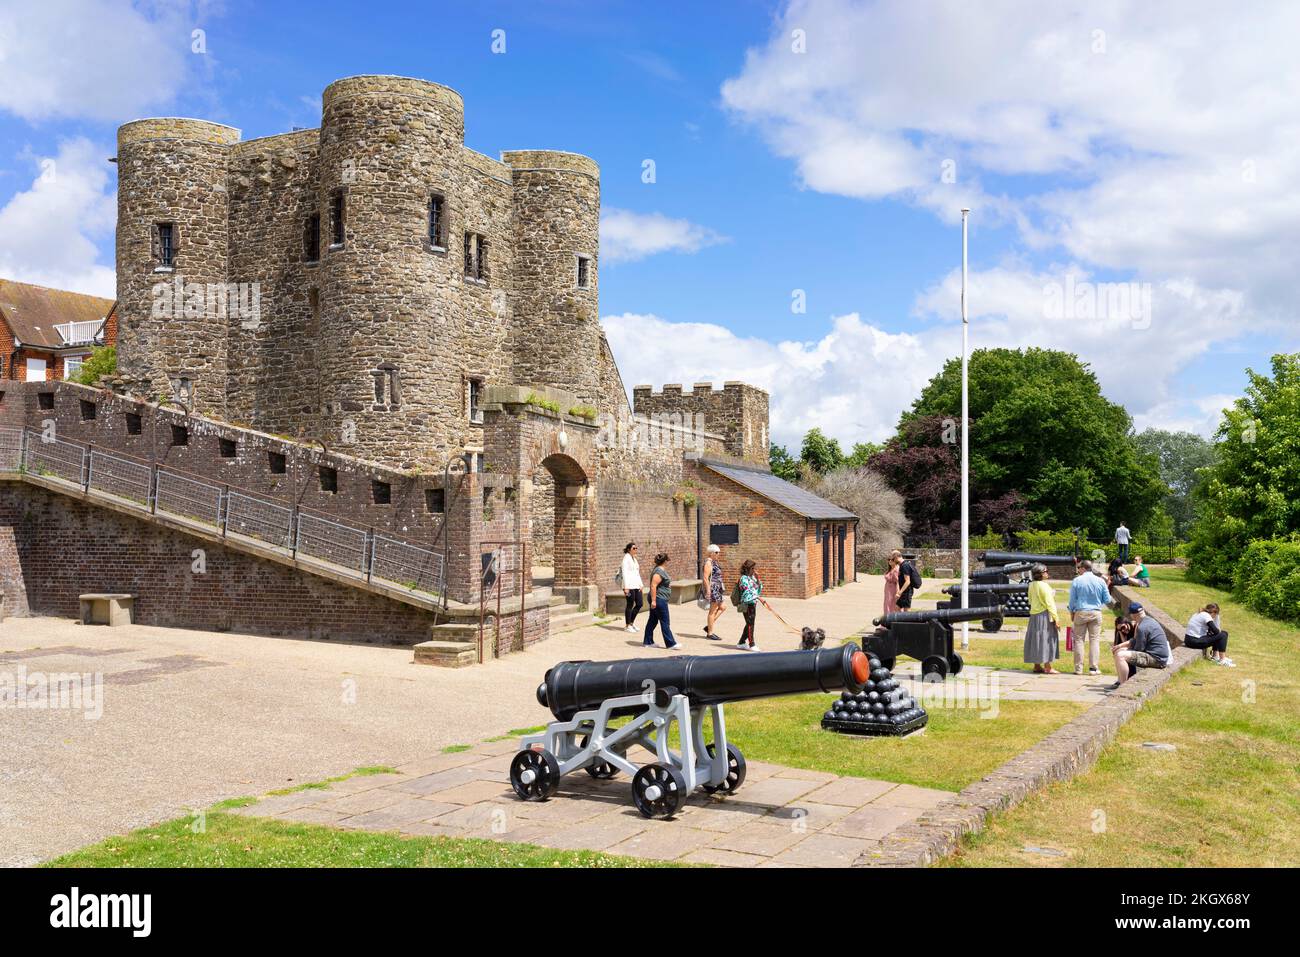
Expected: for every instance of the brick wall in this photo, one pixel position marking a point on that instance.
(54, 548)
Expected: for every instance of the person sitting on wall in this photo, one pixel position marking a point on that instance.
(1205, 632)
(1148, 648)
(1116, 574)
(1140, 577)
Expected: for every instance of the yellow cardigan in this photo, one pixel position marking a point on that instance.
(1043, 598)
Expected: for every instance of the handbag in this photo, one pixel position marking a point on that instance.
(702, 598)
(1069, 638)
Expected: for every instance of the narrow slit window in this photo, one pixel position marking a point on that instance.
(167, 244)
(338, 212)
(311, 238)
(476, 255)
(437, 222)
(584, 272)
(475, 389)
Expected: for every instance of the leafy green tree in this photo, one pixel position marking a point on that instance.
(1182, 456)
(782, 463)
(1253, 489)
(819, 453)
(102, 362)
(1040, 426)
(862, 451)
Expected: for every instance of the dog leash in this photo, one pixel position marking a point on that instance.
(789, 626)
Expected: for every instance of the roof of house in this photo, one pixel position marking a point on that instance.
(32, 312)
(778, 490)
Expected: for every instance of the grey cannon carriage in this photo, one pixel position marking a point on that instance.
(604, 708)
(923, 635)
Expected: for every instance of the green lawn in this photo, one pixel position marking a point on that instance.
(232, 840)
(957, 748)
(1010, 653)
(1229, 796)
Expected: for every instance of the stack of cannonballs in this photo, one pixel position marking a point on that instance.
(882, 707)
(1017, 604)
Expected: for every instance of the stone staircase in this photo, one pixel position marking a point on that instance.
(454, 644)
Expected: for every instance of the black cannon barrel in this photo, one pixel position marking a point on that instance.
(573, 686)
(939, 614)
(1010, 588)
(1009, 569)
(1007, 558)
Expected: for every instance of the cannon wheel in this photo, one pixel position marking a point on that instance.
(534, 774)
(658, 790)
(955, 664)
(735, 771)
(991, 625)
(600, 770)
(888, 663)
(934, 665)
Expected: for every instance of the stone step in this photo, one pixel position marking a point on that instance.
(557, 600)
(568, 617)
(454, 631)
(446, 654)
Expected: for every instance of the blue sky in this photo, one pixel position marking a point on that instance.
(816, 149)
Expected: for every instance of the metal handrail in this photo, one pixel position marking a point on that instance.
(422, 569)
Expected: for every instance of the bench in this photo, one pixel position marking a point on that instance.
(106, 609)
(681, 591)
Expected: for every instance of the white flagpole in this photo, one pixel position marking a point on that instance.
(965, 441)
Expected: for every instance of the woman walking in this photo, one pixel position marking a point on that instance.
(629, 576)
(750, 590)
(1042, 637)
(659, 595)
(891, 582)
(717, 592)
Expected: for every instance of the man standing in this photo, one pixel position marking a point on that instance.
(909, 579)
(1122, 539)
(1089, 596)
(1148, 648)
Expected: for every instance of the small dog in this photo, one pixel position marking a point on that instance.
(812, 638)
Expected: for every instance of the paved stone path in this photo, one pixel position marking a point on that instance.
(780, 817)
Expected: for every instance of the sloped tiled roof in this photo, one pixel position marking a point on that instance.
(778, 490)
(33, 311)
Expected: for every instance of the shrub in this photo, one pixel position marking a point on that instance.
(1268, 577)
(102, 362)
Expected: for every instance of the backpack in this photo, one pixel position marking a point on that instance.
(735, 595)
(913, 575)
(618, 577)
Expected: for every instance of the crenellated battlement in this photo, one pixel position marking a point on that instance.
(738, 411)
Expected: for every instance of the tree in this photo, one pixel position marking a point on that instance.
(924, 467)
(1183, 457)
(882, 517)
(1040, 426)
(861, 454)
(819, 453)
(782, 463)
(1253, 489)
(102, 362)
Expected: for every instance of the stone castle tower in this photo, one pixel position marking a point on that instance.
(359, 284)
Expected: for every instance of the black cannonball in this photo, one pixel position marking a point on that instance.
(860, 696)
(877, 707)
(846, 695)
(829, 716)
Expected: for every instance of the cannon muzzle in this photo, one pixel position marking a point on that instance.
(1008, 558)
(936, 614)
(573, 686)
(1011, 588)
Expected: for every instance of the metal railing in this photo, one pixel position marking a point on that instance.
(80, 333)
(355, 550)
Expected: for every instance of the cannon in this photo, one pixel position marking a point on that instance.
(1014, 596)
(1002, 559)
(999, 575)
(591, 699)
(924, 635)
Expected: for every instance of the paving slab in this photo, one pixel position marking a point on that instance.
(664, 843)
(850, 792)
(396, 815)
(824, 850)
(874, 822)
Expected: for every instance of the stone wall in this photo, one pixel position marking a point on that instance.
(737, 412)
(54, 548)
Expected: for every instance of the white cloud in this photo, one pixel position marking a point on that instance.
(626, 236)
(104, 60)
(1200, 415)
(1157, 138)
(48, 232)
(852, 382)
